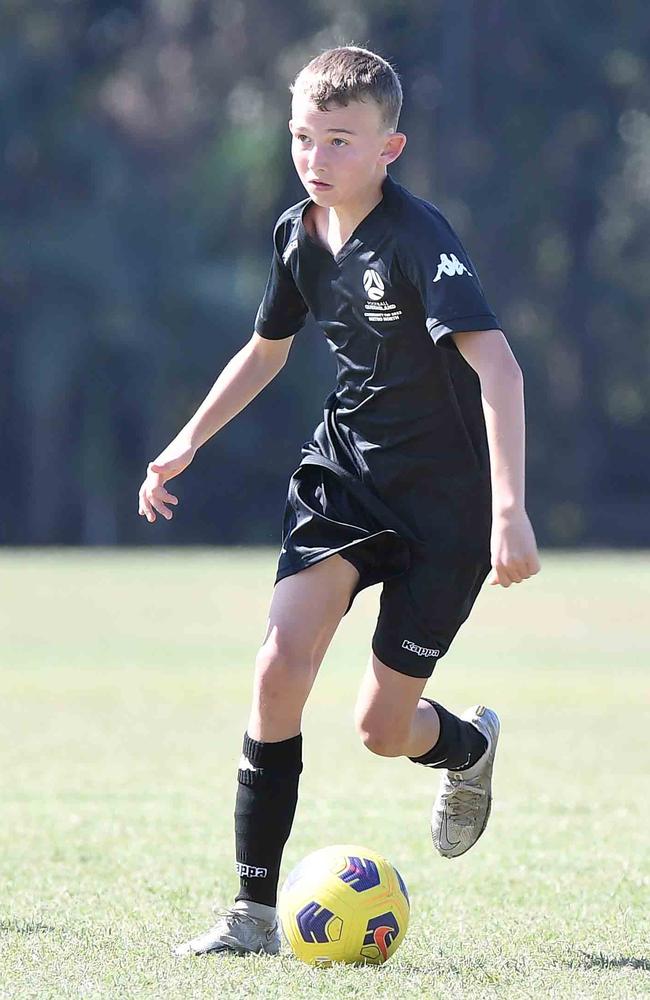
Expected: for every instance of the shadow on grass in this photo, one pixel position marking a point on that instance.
(25, 927)
(599, 960)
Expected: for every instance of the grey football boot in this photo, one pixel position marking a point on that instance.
(235, 932)
(462, 807)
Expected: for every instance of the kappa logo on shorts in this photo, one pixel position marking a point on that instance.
(450, 264)
(250, 871)
(420, 650)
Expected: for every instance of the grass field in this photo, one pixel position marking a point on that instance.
(124, 685)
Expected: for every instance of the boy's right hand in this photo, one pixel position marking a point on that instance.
(153, 496)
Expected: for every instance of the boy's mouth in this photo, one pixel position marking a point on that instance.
(319, 185)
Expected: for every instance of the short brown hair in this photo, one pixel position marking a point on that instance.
(349, 73)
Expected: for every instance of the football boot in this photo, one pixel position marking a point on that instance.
(462, 807)
(235, 932)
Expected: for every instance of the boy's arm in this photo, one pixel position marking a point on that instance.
(243, 378)
(513, 546)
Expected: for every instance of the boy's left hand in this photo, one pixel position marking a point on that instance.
(513, 549)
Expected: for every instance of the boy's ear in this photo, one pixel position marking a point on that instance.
(393, 147)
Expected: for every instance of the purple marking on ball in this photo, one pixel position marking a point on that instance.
(360, 874)
(312, 921)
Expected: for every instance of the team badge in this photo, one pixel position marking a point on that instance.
(377, 310)
(373, 285)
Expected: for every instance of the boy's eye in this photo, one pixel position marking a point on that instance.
(301, 137)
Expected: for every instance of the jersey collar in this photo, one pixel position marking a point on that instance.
(363, 229)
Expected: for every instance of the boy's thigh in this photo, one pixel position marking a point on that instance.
(307, 607)
(421, 610)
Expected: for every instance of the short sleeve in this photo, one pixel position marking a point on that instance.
(282, 311)
(446, 279)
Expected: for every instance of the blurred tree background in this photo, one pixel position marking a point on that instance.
(145, 157)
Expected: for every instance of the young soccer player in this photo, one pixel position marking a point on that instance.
(414, 478)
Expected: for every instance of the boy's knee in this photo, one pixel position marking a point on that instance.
(281, 668)
(381, 735)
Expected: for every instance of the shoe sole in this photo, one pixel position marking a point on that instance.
(214, 952)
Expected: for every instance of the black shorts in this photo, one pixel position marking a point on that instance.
(429, 586)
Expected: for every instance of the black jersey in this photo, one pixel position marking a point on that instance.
(406, 415)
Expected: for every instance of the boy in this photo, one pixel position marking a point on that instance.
(415, 477)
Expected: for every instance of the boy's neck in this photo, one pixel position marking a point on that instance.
(338, 222)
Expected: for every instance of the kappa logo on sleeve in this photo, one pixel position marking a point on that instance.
(450, 264)
(289, 250)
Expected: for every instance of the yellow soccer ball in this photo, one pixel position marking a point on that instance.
(344, 904)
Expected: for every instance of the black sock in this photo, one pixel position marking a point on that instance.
(267, 793)
(459, 745)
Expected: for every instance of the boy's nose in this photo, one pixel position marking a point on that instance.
(316, 160)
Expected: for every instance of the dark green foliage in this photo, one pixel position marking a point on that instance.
(145, 158)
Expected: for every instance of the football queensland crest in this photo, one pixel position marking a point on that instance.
(373, 285)
(344, 904)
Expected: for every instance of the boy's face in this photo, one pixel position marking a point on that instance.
(346, 147)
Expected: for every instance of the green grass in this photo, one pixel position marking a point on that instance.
(124, 686)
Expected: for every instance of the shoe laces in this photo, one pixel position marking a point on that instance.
(460, 799)
(231, 917)
(226, 920)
